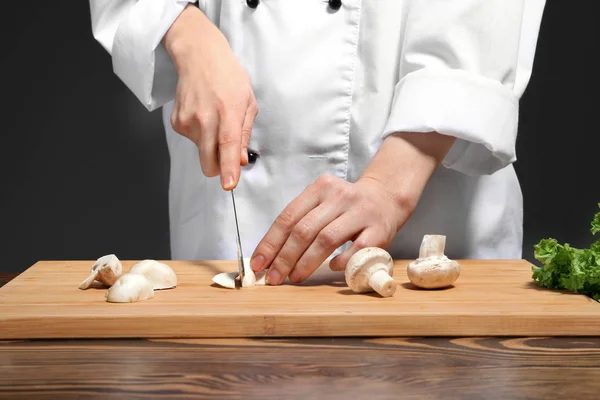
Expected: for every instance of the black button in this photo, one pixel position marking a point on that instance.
(252, 156)
(252, 3)
(335, 4)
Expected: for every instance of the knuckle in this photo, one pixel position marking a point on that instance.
(181, 122)
(303, 232)
(267, 248)
(221, 105)
(327, 238)
(361, 243)
(203, 118)
(285, 220)
(343, 192)
(325, 180)
(282, 265)
(246, 132)
(226, 138)
(174, 121)
(253, 108)
(229, 102)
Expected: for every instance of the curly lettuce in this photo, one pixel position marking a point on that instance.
(568, 268)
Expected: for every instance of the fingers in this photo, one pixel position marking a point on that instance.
(331, 237)
(220, 128)
(229, 143)
(233, 142)
(368, 238)
(251, 113)
(301, 237)
(202, 130)
(280, 230)
(206, 140)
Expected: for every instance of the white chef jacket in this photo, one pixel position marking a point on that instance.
(330, 86)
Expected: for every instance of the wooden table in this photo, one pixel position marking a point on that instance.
(349, 368)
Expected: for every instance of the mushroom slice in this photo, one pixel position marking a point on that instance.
(228, 279)
(371, 269)
(130, 288)
(107, 269)
(433, 270)
(159, 274)
(225, 279)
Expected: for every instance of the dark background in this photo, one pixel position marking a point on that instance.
(85, 166)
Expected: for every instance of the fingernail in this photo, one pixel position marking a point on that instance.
(273, 277)
(257, 263)
(228, 182)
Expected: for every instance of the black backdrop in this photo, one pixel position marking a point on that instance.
(85, 166)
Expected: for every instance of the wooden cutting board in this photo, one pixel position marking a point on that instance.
(491, 298)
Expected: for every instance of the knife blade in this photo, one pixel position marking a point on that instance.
(239, 241)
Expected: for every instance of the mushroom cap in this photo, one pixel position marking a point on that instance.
(159, 274)
(363, 264)
(107, 269)
(130, 288)
(433, 272)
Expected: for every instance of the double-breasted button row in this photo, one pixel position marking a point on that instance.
(333, 4)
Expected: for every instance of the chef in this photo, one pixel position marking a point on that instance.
(341, 124)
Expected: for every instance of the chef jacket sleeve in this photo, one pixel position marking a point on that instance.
(464, 66)
(131, 32)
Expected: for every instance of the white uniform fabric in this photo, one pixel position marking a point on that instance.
(330, 86)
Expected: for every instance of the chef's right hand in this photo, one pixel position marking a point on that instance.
(214, 103)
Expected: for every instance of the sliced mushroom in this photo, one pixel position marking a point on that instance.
(228, 279)
(130, 288)
(159, 274)
(371, 269)
(433, 270)
(107, 269)
(225, 279)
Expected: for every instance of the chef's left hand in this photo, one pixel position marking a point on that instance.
(332, 211)
(326, 215)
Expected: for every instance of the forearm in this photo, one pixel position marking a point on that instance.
(405, 163)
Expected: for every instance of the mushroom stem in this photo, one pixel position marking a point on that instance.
(382, 283)
(432, 246)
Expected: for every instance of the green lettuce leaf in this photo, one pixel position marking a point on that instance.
(568, 268)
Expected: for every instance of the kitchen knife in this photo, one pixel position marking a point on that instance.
(239, 242)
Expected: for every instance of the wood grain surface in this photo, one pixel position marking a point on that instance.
(348, 368)
(491, 298)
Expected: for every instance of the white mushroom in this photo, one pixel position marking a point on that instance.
(159, 274)
(228, 279)
(433, 270)
(130, 288)
(107, 269)
(371, 269)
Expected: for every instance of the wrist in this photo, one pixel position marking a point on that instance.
(181, 40)
(404, 165)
